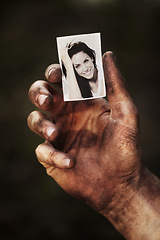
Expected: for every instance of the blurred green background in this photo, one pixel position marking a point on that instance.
(32, 206)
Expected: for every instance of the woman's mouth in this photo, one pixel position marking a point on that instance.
(87, 72)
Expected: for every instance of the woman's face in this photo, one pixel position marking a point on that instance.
(83, 65)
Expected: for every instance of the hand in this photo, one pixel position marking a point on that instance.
(92, 147)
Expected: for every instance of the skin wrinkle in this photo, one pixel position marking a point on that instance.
(120, 205)
(66, 149)
(153, 185)
(117, 210)
(91, 187)
(69, 136)
(77, 159)
(128, 140)
(51, 157)
(92, 138)
(60, 111)
(110, 135)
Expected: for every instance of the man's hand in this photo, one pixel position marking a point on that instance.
(101, 141)
(92, 147)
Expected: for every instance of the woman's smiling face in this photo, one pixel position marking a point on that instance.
(83, 64)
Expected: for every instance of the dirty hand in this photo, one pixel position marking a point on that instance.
(91, 147)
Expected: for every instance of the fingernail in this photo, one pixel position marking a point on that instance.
(42, 98)
(50, 71)
(49, 131)
(67, 162)
(113, 56)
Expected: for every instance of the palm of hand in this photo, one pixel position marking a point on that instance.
(105, 151)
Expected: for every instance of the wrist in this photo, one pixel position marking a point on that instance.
(134, 208)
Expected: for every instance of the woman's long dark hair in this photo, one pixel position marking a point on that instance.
(83, 84)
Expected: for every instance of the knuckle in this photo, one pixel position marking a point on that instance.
(51, 157)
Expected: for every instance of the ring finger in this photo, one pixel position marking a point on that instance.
(43, 125)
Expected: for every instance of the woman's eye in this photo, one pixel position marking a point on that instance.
(77, 66)
(86, 60)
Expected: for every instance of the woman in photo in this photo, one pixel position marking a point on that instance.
(84, 64)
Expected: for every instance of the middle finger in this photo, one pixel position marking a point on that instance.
(45, 97)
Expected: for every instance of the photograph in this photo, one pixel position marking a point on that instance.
(80, 59)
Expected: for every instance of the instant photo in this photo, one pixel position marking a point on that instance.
(80, 59)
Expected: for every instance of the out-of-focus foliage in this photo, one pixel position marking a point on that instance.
(32, 206)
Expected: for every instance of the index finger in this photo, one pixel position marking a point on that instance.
(53, 73)
(122, 106)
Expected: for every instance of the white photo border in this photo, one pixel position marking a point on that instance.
(71, 91)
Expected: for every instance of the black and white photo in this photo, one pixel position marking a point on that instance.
(81, 62)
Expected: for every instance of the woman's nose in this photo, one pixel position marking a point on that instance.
(84, 67)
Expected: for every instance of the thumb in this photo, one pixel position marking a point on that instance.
(122, 106)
